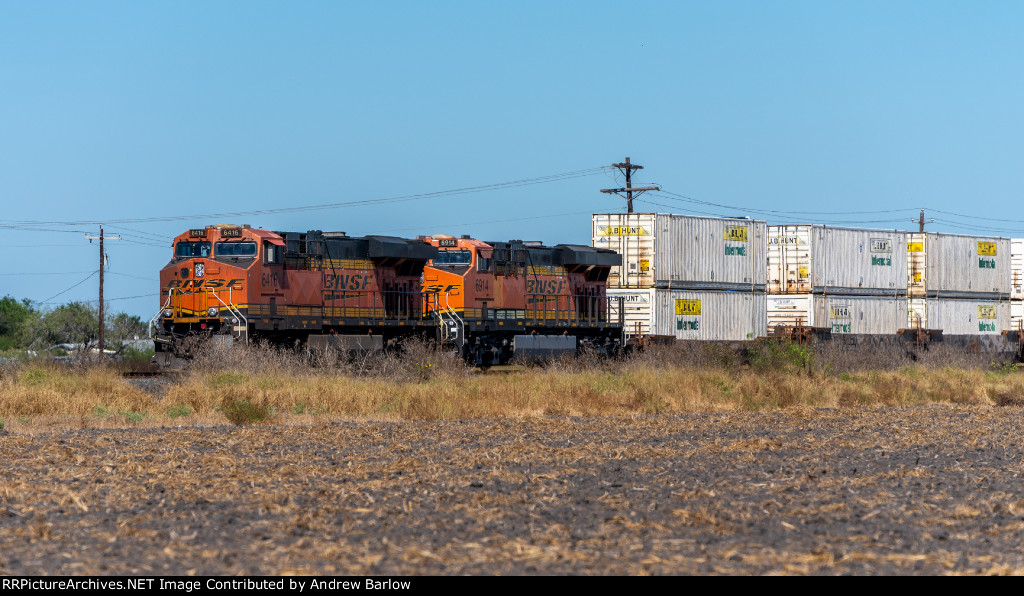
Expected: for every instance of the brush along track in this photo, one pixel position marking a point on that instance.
(921, 490)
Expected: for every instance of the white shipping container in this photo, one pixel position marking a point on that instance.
(691, 314)
(955, 266)
(1017, 268)
(683, 251)
(805, 259)
(843, 314)
(959, 316)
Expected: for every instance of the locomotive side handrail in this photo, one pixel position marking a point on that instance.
(152, 322)
(234, 310)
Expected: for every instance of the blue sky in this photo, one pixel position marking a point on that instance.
(154, 118)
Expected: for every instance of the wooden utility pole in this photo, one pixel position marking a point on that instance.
(103, 263)
(628, 168)
(921, 222)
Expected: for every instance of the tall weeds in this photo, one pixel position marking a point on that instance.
(419, 382)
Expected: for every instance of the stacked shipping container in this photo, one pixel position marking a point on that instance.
(849, 280)
(685, 276)
(959, 284)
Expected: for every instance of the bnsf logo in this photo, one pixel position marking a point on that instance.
(202, 284)
(441, 288)
(357, 281)
(539, 286)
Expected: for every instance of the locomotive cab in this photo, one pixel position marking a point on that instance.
(203, 287)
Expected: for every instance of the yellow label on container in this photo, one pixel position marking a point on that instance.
(688, 307)
(802, 272)
(986, 311)
(736, 233)
(624, 231)
(915, 246)
(987, 249)
(645, 265)
(917, 277)
(839, 312)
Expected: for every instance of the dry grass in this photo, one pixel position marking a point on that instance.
(425, 384)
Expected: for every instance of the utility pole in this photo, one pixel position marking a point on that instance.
(921, 222)
(103, 262)
(628, 168)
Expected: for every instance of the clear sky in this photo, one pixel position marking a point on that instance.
(153, 118)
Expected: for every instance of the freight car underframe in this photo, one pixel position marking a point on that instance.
(911, 340)
(487, 338)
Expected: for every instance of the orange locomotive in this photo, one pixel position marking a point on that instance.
(238, 283)
(498, 299)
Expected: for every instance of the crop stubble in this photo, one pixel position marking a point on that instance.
(923, 490)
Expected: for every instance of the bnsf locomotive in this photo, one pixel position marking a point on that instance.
(489, 300)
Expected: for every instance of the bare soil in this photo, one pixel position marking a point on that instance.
(924, 490)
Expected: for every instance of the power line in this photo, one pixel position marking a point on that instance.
(50, 273)
(69, 289)
(361, 202)
(493, 221)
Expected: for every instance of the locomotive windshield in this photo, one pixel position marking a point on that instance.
(192, 249)
(235, 249)
(453, 257)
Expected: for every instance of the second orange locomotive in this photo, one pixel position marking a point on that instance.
(496, 299)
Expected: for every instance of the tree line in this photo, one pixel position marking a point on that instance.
(25, 326)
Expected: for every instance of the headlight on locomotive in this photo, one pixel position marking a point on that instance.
(168, 313)
(212, 311)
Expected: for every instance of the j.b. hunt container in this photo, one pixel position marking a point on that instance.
(956, 266)
(961, 316)
(661, 250)
(874, 315)
(814, 259)
(690, 314)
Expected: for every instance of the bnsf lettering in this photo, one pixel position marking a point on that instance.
(539, 286)
(441, 288)
(357, 281)
(202, 284)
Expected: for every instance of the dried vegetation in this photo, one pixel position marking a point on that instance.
(264, 384)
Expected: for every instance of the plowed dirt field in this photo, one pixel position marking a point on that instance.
(921, 490)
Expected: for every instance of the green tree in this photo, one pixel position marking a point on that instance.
(14, 315)
(72, 323)
(120, 328)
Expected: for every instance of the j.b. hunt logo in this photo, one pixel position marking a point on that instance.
(203, 284)
(623, 231)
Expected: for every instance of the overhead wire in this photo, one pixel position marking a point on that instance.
(360, 202)
(47, 301)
